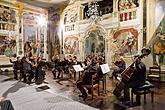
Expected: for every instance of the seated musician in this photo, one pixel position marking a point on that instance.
(27, 67)
(99, 71)
(40, 74)
(137, 79)
(17, 66)
(76, 62)
(121, 65)
(87, 79)
(57, 67)
(5, 104)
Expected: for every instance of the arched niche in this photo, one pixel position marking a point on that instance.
(94, 42)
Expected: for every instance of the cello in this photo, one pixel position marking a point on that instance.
(128, 72)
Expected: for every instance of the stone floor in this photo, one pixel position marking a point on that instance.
(63, 95)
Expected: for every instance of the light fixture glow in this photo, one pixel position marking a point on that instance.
(41, 21)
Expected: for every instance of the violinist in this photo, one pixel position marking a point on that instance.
(121, 65)
(17, 66)
(137, 79)
(57, 67)
(27, 64)
(86, 79)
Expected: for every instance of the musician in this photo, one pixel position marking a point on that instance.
(86, 79)
(40, 73)
(27, 64)
(121, 65)
(137, 79)
(57, 67)
(99, 71)
(5, 104)
(17, 66)
(76, 62)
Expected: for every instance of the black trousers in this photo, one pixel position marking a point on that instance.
(82, 89)
(127, 91)
(6, 105)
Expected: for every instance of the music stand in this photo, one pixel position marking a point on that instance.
(78, 69)
(105, 69)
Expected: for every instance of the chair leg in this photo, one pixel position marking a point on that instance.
(132, 97)
(144, 97)
(92, 92)
(152, 96)
(98, 89)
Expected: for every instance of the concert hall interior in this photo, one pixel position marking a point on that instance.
(82, 54)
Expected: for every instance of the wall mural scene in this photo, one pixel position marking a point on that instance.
(7, 46)
(71, 44)
(125, 42)
(29, 27)
(71, 16)
(31, 34)
(54, 44)
(7, 18)
(159, 44)
(127, 4)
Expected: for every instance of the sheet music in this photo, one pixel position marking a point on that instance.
(78, 68)
(105, 68)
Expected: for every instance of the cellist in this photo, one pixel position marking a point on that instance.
(137, 79)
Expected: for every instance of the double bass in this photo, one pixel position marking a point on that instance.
(128, 72)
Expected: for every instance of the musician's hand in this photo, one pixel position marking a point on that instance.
(1, 98)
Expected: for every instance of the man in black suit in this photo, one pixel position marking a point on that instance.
(121, 65)
(90, 70)
(17, 66)
(137, 79)
(5, 104)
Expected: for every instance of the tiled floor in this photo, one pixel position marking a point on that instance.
(67, 90)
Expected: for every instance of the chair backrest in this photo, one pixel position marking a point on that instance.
(155, 70)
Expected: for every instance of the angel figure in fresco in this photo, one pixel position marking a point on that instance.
(126, 45)
(159, 47)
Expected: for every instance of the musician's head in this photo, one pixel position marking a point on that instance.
(19, 59)
(137, 58)
(121, 58)
(74, 58)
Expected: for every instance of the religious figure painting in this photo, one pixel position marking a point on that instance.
(71, 44)
(159, 44)
(30, 33)
(127, 4)
(29, 27)
(125, 42)
(7, 46)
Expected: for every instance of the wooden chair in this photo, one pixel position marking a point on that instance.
(92, 86)
(154, 73)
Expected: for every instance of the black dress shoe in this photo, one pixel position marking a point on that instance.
(136, 104)
(121, 98)
(127, 103)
